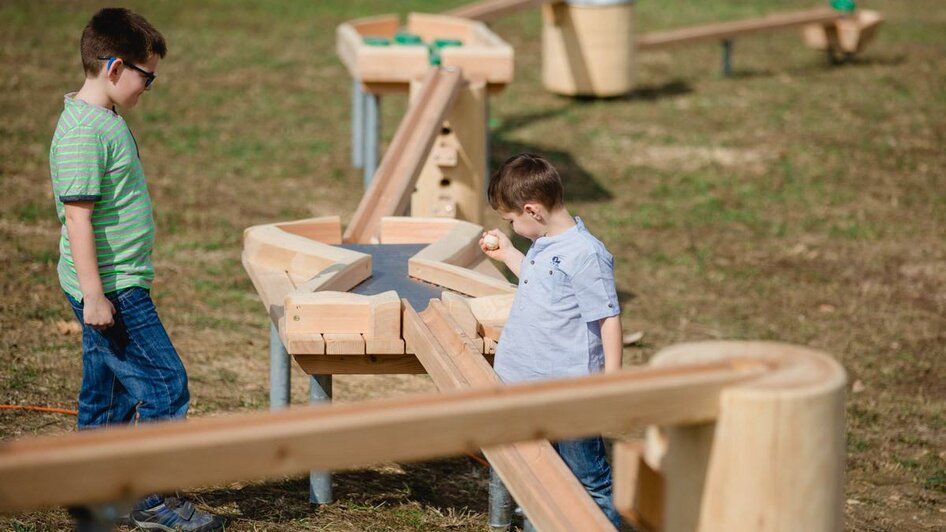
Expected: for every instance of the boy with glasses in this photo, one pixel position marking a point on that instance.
(130, 370)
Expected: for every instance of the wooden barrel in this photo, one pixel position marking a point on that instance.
(588, 47)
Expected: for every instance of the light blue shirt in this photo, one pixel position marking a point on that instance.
(566, 285)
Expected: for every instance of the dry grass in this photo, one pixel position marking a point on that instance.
(795, 201)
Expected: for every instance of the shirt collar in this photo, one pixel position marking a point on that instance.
(545, 241)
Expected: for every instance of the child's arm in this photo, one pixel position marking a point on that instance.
(612, 338)
(506, 252)
(97, 311)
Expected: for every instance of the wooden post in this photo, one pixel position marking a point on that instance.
(452, 181)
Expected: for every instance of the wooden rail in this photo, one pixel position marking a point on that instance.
(120, 464)
(390, 190)
(492, 10)
(726, 30)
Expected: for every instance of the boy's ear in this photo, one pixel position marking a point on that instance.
(532, 210)
(112, 68)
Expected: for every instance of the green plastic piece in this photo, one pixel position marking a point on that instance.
(409, 39)
(376, 41)
(444, 43)
(844, 6)
(433, 56)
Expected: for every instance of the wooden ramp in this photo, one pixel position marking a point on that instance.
(390, 191)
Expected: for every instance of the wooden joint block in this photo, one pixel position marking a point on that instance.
(444, 155)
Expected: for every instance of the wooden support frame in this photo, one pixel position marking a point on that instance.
(123, 463)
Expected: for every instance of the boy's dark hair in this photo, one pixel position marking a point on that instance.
(522, 179)
(119, 32)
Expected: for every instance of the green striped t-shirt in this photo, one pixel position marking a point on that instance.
(94, 157)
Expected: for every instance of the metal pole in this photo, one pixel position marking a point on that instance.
(372, 133)
(727, 58)
(357, 124)
(279, 373)
(500, 504)
(320, 482)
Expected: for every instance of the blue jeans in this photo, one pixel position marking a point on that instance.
(587, 460)
(130, 371)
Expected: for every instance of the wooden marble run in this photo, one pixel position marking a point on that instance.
(589, 47)
(743, 436)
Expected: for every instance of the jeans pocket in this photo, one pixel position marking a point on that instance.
(131, 295)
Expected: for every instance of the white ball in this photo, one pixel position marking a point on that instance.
(491, 242)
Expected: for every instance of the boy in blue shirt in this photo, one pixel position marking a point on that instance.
(130, 370)
(565, 319)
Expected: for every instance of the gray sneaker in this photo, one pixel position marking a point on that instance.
(174, 514)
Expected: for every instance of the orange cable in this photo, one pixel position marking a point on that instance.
(39, 409)
(482, 462)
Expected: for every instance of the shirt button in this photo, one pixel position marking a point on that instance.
(610, 305)
(526, 281)
(531, 262)
(550, 272)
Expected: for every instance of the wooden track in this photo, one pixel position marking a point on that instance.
(727, 30)
(124, 463)
(492, 10)
(390, 191)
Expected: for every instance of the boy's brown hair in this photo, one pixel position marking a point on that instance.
(522, 179)
(119, 32)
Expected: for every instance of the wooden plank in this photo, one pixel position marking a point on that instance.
(393, 183)
(383, 346)
(414, 230)
(324, 312)
(492, 10)
(367, 364)
(727, 30)
(305, 344)
(458, 278)
(638, 488)
(123, 463)
(325, 229)
(344, 344)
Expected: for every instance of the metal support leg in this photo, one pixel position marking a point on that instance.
(357, 124)
(727, 58)
(500, 504)
(320, 482)
(527, 525)
(371, 135)
(278, 371)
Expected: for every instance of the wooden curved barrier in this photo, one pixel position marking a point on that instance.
(772, 461)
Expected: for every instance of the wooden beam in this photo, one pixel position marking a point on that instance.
(393, 183)
(123, 463)
(492, 10)
(726, 30)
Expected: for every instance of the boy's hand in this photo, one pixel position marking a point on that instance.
(98, 312)
(495, 244)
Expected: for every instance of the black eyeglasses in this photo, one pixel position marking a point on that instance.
(149, 76)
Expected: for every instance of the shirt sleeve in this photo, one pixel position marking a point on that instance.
(80, 160)
(594, 288)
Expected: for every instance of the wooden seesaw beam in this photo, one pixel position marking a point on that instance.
(390, 191)
(123, 463)
(492, 10)
(727, 30)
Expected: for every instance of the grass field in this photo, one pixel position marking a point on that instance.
(794, 201)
